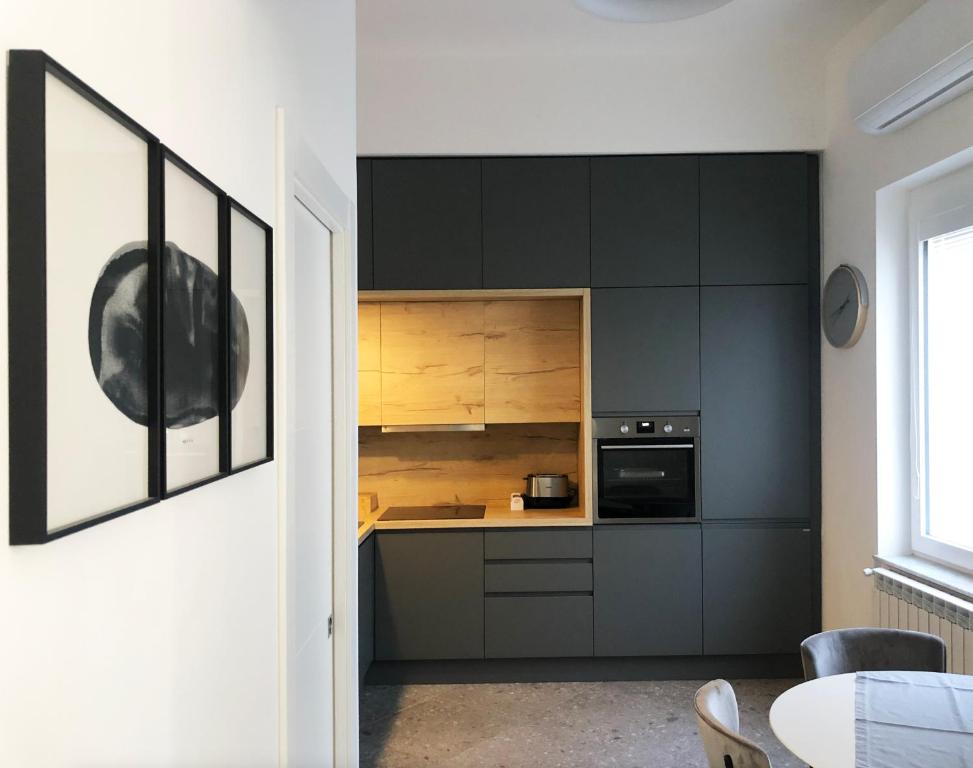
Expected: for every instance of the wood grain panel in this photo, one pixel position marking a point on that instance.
(533, 361)
(585, 466)
(432, 363)
(472, 295)
(419, 468)
(369, 364)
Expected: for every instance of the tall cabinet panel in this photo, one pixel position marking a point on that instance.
(365, 281)
(535, 222)
(427, 223)
(648, 590)
(753, 219)
(644, 349)
(644, 221)
(755, 402)
(756, 589)
(429, 595)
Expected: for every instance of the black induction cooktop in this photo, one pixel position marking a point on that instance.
(441, 512)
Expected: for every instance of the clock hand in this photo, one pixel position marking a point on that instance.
(840, 309)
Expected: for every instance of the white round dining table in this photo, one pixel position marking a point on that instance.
(816, 721)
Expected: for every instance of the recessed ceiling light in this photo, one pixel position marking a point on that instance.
(648, 10)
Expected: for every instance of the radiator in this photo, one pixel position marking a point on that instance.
(903, 603)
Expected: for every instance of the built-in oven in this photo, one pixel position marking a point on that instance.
(646, 469)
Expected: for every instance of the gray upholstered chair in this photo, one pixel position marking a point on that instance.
(719, 727)
(871, 650)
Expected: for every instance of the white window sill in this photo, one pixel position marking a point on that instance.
(938, 575)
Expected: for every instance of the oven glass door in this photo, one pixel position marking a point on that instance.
(655, 478)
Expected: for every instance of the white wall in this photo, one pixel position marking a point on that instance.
(544, 77)
(152, 639)
(576, 103)
(865, 416)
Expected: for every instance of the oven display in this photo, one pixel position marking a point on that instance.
(645, 427)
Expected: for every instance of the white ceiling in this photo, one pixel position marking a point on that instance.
(556, 27)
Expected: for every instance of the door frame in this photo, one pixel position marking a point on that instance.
(301, 175)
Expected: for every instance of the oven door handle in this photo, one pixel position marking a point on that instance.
(645, 447)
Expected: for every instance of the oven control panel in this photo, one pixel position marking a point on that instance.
(644, 426)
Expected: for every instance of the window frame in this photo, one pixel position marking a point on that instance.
(938, 208)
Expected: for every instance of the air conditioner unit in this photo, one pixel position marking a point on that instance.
(924, 62)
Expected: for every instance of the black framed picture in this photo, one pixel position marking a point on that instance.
(251, 323)
(194, 327)
(83, 309)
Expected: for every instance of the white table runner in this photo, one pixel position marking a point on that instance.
(913, 720)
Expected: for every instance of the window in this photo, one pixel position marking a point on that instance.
(942, 445)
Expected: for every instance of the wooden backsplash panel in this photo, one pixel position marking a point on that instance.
(418, 468)
(533, 361)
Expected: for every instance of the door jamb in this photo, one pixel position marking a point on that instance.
(301, 175)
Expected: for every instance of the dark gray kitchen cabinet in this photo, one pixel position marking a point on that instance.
(644, 349)
(753, 219)
(538, 544)
(648, 595)
(538, 626)
(644, 221)
(757, 594)
(755, 402)
(426, 223)
(429, 595)
(365, 281)
(535, 222)
(366, 605)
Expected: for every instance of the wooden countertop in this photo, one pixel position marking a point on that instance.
(497, 516)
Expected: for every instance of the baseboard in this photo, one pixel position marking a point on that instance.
(583, 670)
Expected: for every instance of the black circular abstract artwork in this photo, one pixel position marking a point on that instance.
(117, 344)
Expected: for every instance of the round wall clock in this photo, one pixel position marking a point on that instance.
(844, 308)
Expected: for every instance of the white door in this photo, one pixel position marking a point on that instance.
(310, 652)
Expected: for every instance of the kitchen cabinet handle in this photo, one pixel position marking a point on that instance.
(644, 447)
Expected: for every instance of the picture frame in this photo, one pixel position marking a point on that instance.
(84, 396)
(250, 280)
(193, 308)
(154, 376)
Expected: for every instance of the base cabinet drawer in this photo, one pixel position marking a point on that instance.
(542, 576)
(554, 626)
(544, 544)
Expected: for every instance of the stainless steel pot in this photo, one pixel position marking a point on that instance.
(547, 486)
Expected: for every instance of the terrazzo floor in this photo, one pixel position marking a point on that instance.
(552, 725)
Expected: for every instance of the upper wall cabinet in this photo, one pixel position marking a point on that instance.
(644, 221)
(427, 223)
(753, 219)
(644, 349)
(535, 222)
(369, 364)
(365, 281)
(432, 363)
(755, 402)
(533, 361)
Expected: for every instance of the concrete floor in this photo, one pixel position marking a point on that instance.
(552, 725)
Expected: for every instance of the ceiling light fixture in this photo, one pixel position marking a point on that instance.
(648, 10)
